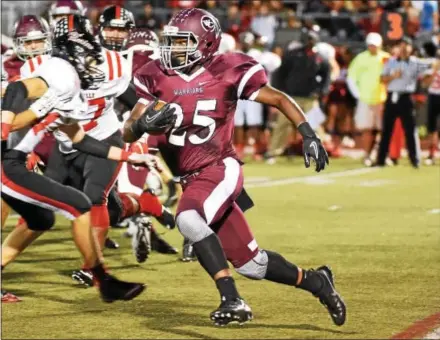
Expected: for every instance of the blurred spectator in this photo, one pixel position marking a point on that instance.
(214, 7)
(265, 23)
(374, 21)
(149, 19)
(412, 18)
(305, 76)
(429, 16)
(341, 104)
(314, 6)
(364, 83)
(233, 21)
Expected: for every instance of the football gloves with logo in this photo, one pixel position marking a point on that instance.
(159, 118)
(312, 147)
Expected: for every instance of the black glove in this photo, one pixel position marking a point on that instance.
(156, 120)
(312, 147)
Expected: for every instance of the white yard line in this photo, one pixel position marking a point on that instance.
(306, 179)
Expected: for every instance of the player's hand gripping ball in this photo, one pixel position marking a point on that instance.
(159, 118)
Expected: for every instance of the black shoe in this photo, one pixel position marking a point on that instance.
(232, 310)
(167, 219)
(84, 277)
(329, 297)
(188, 253)
(141, 240)
(160, 245)
(110, 244)
(113, 289)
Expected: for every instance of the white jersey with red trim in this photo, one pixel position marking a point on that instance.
(31, 65)
(72, 105)
(101, 120)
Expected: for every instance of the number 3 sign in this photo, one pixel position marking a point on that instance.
(393, 25)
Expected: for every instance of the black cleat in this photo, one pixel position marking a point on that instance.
(232, 311)
(141, 241)
(188, 253)
(160, 245)
(110, 244)
(329, 297)
(84, 277)
(113, 289)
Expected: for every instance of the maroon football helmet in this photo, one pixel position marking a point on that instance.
(31, 28)
(61, 8)
(202, 33)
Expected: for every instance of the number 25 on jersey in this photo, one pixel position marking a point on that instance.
(179, 137)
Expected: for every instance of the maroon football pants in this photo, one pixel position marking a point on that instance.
(212, 193)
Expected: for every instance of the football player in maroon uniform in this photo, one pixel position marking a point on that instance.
(203, 88)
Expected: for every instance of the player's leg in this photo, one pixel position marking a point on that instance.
(243, 252)
(206, 196)
(34, 189)
(5, 212)
(99, 176)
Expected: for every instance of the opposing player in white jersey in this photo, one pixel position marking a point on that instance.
(36, 197)
(92, 175)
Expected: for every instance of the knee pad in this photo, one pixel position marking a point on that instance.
(256, 268)
(192, 226)
(42, 221)
(99, 216)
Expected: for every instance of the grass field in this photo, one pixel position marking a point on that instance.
(379, 229)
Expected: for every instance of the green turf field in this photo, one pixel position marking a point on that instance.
(378, 229)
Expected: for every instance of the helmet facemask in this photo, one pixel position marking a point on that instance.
(115, 35)
(178, 49)
(24, 49)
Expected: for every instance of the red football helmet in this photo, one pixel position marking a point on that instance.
(31, 28)
(61, 8)
(202, 33)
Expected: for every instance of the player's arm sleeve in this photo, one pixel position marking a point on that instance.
(251, 78)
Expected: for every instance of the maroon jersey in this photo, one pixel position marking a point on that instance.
(205, 103)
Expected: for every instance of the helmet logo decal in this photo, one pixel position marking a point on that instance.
(208, 23)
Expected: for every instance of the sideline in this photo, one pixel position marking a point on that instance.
(420, 328)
